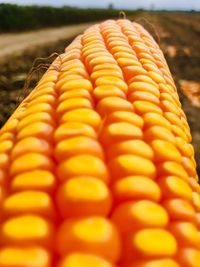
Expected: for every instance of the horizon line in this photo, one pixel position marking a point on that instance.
(97, 7)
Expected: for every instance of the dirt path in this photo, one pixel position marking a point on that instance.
(15, 43)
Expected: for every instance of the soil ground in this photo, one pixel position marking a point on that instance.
(15, 43)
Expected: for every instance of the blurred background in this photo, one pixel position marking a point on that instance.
(37, 28)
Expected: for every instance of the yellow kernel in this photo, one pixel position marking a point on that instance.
(125, 116)
(189, 166)
(84, 259)
(30, 161)
(165, 151)
(131, 147)
(159, 132)
(196, 200)
(28, 202)
(25, 229)
(175, 187)
(107, 91)
(103, 73)
(124, 62)
(120, 131)
(6, 146)
(155, 119)
(140, 214)
(179, 132)
(36, 129)
(73, 103)
(155, 242)
(24, 257)
(172, 168)
(136, 187)
(179, 209)
(107, 66)
(126, 165)
(78, 83)
(183, 147)
(83, 196)
(111, 80)
(173, 118)
(40, 107)
(76, 93)
(111, 104)
(77, 146)
(65, 79)
(83, 115)
(83, 165)
(10, 126)
(143, 96)
(185, 233)
(171, 98)
(46, 98)
(35, 117)
(43, 90)
(170, 107)
(156, 77)
(31, 144)
(73, 129)
(144, 86)
(6, 136)
(95, 235)
(189, 257)
(145, 79)
(142, 107)
(101, 59)
(166, 262)
(36, 179)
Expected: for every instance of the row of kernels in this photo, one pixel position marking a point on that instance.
(27, 208)
(143, 53)
(144, 33)
(157, 59)
(70, 99)
(83, 191)
(100, 66)
(134, 39)
(141, 106)
(172, 114)
(121, 50)
(108, 137)
(156, 54)
(173, 138)
(7, 140)
(177, 209)
(93, 235)
(120, 55)
(111, 105)
(103, 61)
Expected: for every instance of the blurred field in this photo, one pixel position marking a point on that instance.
(177, 33)
(24, 18)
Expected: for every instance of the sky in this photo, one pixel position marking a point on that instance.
(123, 4)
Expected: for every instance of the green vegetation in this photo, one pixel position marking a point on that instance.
(20, 18)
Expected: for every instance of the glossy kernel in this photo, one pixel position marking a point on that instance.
(83, 196)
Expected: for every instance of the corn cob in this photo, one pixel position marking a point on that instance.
(96, 165)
